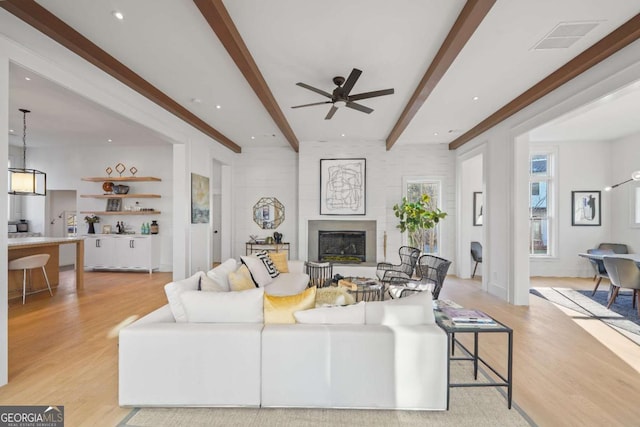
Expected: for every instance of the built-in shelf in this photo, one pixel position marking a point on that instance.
(121, 196)
(121, 212)
(120, 178)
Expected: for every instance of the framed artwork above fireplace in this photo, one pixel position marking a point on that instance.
(343, 186)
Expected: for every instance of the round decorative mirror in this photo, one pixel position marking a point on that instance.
(268, 213)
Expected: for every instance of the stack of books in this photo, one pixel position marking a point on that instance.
(464, 316)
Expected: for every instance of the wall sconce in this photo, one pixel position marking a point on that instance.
(635, 176)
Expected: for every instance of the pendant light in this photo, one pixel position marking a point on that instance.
(23, 181)
(635, 176)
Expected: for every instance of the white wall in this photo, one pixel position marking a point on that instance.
(582, 166)
(265, 172)
(625, 158)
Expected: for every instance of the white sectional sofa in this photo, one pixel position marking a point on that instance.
(386, 355)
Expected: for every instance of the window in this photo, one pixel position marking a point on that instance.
(541, 203)
(414, 188)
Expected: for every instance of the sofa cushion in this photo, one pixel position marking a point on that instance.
(207, 284)
(268, 264)
(240, 280)
(221, 273)
(288, 284)
(346, 315)
(416, 309)
(258, 271)
(280, 309)
(173, 291)
(280, 261)
(223, 307)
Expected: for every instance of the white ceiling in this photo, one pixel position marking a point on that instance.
(170, 44)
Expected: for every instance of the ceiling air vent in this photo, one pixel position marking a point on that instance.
(565, 34)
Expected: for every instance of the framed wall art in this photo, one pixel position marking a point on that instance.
(199, 199)
(585, 208)
(343, 186)
(477, 208)
(114, 205)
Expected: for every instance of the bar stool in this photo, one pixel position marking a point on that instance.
(28, 263)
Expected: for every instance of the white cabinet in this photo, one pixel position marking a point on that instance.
(122, 252)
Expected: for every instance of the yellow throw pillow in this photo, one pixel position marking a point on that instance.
(240, 280)
(280, 261)
(280, 309)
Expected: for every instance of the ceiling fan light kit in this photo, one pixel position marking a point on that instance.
(340, 97)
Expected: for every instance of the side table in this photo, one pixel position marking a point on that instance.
(452, 329)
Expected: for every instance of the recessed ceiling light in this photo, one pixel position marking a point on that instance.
(342, 134)
(253, 137)
(11, 131)
(218, 106)
(118, 15)
(435, 134)
(27, 78)
(196, 100)
(109, 140)
(475, 98)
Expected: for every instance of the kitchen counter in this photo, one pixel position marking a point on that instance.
(23, 246)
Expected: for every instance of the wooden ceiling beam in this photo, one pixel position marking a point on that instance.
(222, 25)
(621, 37)
(47, 23)
(472, 14)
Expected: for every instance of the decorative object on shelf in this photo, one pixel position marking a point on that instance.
(343, 186)
(133, 170)
(477, 208)
(253, 238)
(199, 199)
(268, 240)
(106, 229)
(635, 176)
(114, 205)
(268, 213)
(155, 228)
(416, 217)
(91, 220)
(121, 189)
(109, 171)
(107, 187)
(585, 208)
(120, 168)
(23, 181)
(277, 237)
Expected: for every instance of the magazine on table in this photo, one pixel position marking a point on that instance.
(467, 316)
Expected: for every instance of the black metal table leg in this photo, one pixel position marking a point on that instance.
(475, 355)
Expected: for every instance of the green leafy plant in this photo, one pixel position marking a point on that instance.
(416, 218)
(91, 219)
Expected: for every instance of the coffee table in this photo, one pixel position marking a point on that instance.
(366, 289)
(452, 328)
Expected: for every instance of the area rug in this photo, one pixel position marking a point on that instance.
(620, 316)
(473, 407)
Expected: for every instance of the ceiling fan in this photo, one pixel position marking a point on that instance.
(340, 96)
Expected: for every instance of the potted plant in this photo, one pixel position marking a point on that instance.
(416, 218)
(91, 219)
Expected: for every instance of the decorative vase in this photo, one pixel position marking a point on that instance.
(92, 230)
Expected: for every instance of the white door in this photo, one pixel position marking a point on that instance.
(216, 242)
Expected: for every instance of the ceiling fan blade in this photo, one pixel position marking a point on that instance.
(371, 94)
(359, 107)
(331, 112)
(315, 103)
(311, 88)
(351, 81)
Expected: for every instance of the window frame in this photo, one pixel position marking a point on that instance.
(551, 178)
(406, 180)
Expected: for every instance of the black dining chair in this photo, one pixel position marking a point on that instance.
(476, 254)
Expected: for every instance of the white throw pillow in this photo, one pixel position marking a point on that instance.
(220, 274)
(207, 284)
(173, 291)
(347, 315)
(258, 271)
(224, 307)
(416, 309)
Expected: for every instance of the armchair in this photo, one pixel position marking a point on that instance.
(408, 258)
(432, 271)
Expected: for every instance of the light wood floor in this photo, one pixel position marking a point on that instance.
(60, 352)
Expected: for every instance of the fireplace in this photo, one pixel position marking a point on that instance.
(366, 254)
(347, 247)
